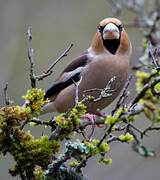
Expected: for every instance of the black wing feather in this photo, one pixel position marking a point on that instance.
(55, 88)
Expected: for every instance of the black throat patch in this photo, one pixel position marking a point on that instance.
(111, 45)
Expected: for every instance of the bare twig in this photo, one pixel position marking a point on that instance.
(123, 96)
(130, 125)
(138, 147)
(6, 98)
(65, 53)
(44, 75)
(77, 86)
(31, 60)
(154, 60)
(49, 71)
(109, 130)
(150, 128)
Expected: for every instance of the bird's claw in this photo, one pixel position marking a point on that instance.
(92, 118)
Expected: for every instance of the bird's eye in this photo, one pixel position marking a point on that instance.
(100, 28)
(120, 27)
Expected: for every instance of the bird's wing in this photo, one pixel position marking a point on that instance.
(70, 73)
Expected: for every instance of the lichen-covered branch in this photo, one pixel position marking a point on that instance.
(141, 94)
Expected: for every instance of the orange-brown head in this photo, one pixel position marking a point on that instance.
(111, 38)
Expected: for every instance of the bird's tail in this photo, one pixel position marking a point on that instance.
(25, 104)
(47, 108)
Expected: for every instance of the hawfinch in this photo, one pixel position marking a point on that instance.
(107, 57)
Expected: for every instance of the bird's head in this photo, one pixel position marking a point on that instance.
(112, 37)
(110, 29)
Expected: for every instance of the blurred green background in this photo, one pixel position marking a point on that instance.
(54, 25)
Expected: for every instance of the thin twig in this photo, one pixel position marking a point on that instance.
(132, 126)
(77, 86)
(106, 134)
(44, 75)
(150, 128)
(154, 60)
(143, 91)
(6, 98)
(65, 53)
(49, 71)
(30, 57)
(122, 96)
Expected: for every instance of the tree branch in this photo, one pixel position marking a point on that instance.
(31, 60)
(65, 53)
(143, 91)
(6, 98)
(154, 60)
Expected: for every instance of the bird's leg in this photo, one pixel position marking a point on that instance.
(92, 118)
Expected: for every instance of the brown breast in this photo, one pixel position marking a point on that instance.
(96, 74)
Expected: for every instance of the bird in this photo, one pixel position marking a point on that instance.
(107, 57)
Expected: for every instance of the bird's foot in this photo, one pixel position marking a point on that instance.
(91, 118)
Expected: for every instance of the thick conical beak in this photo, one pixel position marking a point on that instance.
(111, 31)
